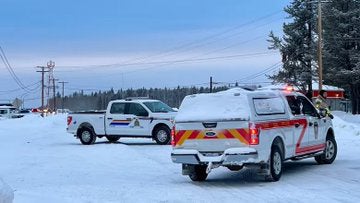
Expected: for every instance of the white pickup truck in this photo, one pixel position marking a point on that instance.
(124, 118)
(9, 112)
(239, 128)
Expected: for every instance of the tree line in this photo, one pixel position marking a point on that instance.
(98, 100)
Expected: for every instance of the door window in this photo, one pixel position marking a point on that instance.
(307, 107)
(137, 109)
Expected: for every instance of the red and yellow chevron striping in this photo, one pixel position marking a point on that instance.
(241, 134)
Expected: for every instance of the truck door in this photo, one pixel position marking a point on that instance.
(139, 125)
(116, 121)
(315, 124)
(300, 124)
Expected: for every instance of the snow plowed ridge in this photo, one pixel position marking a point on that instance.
(42, 163)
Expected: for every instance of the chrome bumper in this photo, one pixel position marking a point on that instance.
(233, 156)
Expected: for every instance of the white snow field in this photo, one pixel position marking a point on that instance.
(42, 163)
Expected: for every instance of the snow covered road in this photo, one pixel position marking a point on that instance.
(42, 163)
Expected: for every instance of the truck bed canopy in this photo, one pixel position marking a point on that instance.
(226, 105)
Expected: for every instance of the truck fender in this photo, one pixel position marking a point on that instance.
(279, 141)
(330, 132)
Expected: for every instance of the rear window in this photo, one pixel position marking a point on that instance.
(269, 106)
(117, 108)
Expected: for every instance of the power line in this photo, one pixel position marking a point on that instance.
(11, 70)
(189, 44)
(27, 86)
(170, 62)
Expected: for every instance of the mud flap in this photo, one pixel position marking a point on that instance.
(187, 169)
(209, 167)
(264, 169)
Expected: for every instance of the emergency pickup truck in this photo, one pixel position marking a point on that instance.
(124, 118)
(258, 129)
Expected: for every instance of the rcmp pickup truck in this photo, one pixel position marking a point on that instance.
(259, 129)
(124, 118)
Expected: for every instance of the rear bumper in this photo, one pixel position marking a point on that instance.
(232, 156)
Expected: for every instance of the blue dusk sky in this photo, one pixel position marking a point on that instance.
(97, 45)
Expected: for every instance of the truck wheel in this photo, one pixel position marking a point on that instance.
(87, 137)
(276, 164)
(330, 152)
(234, 168)
(199, 173)
(112, 138)
(162, 135)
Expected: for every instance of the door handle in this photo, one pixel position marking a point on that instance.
(109, 118)
(297, 125)
(129, 119)
(316, 124)
(311, 124)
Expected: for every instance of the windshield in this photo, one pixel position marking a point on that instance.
(158, 107)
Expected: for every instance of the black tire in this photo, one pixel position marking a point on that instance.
(112, 138)
(199, 173)
(162, 135)
(87, 136)
(276, 164)
(330, 152)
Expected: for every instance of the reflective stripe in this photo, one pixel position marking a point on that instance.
(240, 134)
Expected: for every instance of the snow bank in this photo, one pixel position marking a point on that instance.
(6, 193)
(348, 117)
(343, 127)
(226, 105)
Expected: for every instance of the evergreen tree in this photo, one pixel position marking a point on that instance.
(297, 46)
(342, 47)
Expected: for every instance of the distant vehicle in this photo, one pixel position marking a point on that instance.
(124, 118)
(62, 111)
(238, 128)
(8, 111)
(24, 111)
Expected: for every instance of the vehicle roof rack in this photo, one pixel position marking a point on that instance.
(135, 98)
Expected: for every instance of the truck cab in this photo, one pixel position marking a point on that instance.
(238, 128)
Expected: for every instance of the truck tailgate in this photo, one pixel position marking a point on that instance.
(211, 136)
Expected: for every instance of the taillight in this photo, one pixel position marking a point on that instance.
(69, 119)
(254, 134)
(173, 132)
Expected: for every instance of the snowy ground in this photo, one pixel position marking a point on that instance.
(42, 163)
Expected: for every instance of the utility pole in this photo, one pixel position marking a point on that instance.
(63, 95)
(320, 46)
(54, 95)
(211, 85)
(42, 71)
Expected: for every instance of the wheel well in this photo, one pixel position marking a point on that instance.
(330, 133)
(279, 142)
(157, 126)
(85, 125)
